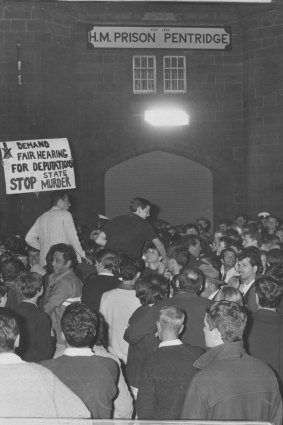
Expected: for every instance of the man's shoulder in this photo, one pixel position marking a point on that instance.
(94, 363)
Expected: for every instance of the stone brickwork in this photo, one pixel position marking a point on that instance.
(70, 90)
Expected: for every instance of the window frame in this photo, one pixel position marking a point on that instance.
(147, 91)
(184, 68)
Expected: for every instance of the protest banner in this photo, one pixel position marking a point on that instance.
(37, 165)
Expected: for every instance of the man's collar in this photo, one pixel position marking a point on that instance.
(75, 351)
(105, 274)
(170, 343)
(224, 351)
(10, 358)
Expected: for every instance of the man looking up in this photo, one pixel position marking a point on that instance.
(63, 288)
(231, 385)
(128, 233)
(53, 227)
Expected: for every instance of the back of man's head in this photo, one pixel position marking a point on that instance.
(229, 318)
(9, 330)
(269, 291)
(29, 285)
(170, 322)
(79, 325)
(179, 253)
(11, 268)
(56, 196)
(108, 259)
(139, 202)
(191, 279)
(191, 240)
(253, 254)
(130, 267)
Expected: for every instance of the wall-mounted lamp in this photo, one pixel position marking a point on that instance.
(166, 117)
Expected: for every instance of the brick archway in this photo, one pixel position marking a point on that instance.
(181, 188)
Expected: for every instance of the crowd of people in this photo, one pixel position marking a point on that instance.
(141, 319)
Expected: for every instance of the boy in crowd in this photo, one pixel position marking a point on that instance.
(36, 343)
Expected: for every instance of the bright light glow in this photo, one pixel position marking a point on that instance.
(166, 117)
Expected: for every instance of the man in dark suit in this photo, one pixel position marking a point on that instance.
(106, 262)
(191, 281)
(36, 343)
(264, 334)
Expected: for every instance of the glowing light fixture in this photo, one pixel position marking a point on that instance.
(166, 117)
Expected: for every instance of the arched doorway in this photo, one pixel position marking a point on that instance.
(181, 188)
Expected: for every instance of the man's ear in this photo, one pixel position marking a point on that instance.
(17, 342)
(181, 329)
(68, 264)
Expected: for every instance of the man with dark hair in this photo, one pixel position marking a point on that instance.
(168, 371)
(63, 287)
(27, 389)
(53, 227)
(178, 257)
(192, 243)
(191, 281)
(249, 264)
(264, 337)
(10, 270)
(119, 304)
(35, 343)
(128, 233)
(231, 385)
(92, 378)
(251, 237)
(107, 265)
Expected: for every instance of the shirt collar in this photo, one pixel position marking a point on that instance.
(105, 274)
(10, 358)
(244, 288)
(224, 351)
(78, 351)
(170, 343)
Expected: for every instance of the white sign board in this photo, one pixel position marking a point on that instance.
(159, 38)
(37, 165)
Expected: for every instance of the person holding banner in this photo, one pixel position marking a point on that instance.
(53, 227)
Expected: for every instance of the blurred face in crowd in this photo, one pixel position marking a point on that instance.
(33, 257)
(143, 212)
(279, 234)
(271, 224)
(248, 241)
(64, 203)
(59, 264)
(229, 259)
(240, 221)
(246, 270)
(195, 249)
(152, 256)
(3, 300)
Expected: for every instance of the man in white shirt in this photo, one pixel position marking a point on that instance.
(53, 227)
(118, 305)
(28, 389)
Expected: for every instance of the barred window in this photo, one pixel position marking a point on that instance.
(174, 74)
(144, 74)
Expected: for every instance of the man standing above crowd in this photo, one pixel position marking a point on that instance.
(231, 385)
(53, 227)
(128, 233)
